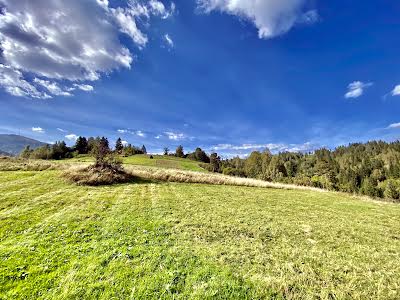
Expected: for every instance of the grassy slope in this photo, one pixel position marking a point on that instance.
(159, 161)
(170, 240)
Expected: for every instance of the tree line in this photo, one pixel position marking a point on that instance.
(371, 169)
(83, 145)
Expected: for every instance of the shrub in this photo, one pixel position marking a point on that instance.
(391, 191)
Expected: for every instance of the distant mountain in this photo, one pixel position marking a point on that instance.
(14, 144)
(2, 153)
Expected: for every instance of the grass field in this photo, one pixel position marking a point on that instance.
(159, 161)
(150, 240)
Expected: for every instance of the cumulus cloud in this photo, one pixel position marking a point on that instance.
(124, 143)
(71, 137)
(271, 17)
(67, 42)
(394, 126)
(356, 89)
(396, 90)
(38, 129)
(122, 131)
(175, 136)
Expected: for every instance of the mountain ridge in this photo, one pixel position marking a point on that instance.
(13, 144)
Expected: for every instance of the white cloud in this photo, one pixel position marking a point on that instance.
(356, 89)
(175, 136)
(140, 133)
(124, 143)
(122, 131)
(271, 17)
(65, 43)
(396, 90)
(394, 126)
(13, 82)
(71, 137)
(84, 87)
(169, 40)
(52, 87)
(158, 137)
(61, 130)
(38, 129)
(273, 147)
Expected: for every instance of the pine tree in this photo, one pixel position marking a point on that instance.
(119, 146)
(81, 145)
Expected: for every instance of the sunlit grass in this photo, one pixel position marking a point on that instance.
(176, 241)
(159, 161)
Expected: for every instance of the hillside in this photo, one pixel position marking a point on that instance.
(159, 161)
(14, 144)
(152, 240)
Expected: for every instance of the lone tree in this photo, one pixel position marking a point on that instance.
(144, 150)
(215, 162)
(179, 151)
(166, 151)
(101, 152)
(119, 146)
(81, 145)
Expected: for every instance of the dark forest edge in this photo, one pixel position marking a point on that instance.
(371, 169)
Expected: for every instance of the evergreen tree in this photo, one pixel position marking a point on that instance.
(179, 151)
(144, 150)
(81, 145)
(215, 162)
(119, 146)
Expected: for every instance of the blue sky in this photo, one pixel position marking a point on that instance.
(288, 75)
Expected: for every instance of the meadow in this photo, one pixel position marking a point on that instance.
(150, 239)
(158, 161)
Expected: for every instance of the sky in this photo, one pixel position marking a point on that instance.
(230, 76)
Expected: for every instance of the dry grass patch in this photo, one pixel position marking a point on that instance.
(94, 175)
(18, 164)
(171, 175)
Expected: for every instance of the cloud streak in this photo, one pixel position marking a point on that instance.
(356, 89)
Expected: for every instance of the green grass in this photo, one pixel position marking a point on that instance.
(159, 161)
(189, 241)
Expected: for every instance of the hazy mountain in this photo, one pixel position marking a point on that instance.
(2, 153)
(14, 144)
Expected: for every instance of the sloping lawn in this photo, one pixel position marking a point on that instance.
(177, 241)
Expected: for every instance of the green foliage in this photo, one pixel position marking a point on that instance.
(179, 152)
(119, 146)
(215, 163)
(81, 145)
(356, 168)
(392, 190)
(199, 155)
